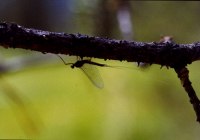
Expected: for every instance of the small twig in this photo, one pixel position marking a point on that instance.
(183, 74)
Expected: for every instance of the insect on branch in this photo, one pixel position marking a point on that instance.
(164, 53)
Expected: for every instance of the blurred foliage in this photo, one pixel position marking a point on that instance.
(53, 101)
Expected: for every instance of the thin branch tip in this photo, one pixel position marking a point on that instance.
(183, 75)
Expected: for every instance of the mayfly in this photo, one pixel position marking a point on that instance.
(88, 67)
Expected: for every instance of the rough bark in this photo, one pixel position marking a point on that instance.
(169, 54)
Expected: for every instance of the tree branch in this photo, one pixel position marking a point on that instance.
(183, 74)
(164, 53)
(169, 54)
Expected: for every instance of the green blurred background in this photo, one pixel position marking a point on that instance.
(41, 98)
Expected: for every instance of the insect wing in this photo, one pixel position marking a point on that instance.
(93, 74)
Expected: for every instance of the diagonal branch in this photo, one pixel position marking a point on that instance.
(183, 74)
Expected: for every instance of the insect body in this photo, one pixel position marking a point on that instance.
(80, 63)
(88, 67)
(90, 70)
